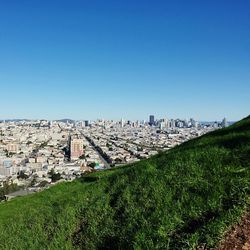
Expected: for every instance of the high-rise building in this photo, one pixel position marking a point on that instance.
(224, 123)
(162, 123)
(165, 120)
(172, 123)
(76, 148)
(151, 120)
(122, 123)
(193, 123)
(215, 124)
(82, 124)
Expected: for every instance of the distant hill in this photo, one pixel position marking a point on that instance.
(184, 198)
(14, 120)
(66, 120)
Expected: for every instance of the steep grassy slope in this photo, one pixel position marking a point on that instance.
(181, 199)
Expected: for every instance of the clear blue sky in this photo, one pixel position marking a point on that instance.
(112, 59)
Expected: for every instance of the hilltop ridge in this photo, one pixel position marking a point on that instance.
(183, 198)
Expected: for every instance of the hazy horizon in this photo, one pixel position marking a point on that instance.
(126, 119)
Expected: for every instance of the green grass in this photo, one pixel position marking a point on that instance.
(179, 199)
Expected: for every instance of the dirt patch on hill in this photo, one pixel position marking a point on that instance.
(238, 237)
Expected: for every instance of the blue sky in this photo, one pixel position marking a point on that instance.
(113, 59)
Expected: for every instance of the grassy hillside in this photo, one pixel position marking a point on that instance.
(181, 199)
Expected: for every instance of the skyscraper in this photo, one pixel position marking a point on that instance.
(193, 123)
(86, 123)
(151, 120)
(172, 123)
(122, 123)
(224, 123)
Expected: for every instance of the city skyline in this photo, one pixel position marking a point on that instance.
(121, 119)
(86, 60)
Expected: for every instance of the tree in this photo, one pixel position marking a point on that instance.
(92, 164)
(54, 176)
(43, 183)
(7, 188)
(82, 157)
(33, 182)
(118, 160)
(22, 175)
(51, 172)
